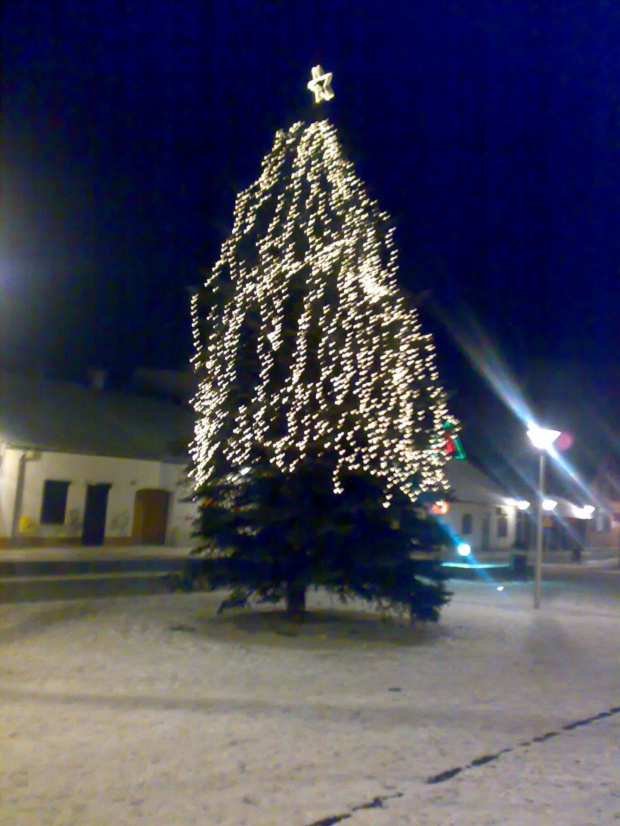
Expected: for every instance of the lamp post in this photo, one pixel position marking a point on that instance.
(542, 439)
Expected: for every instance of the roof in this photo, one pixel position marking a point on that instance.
(70, 418)
(470, 484)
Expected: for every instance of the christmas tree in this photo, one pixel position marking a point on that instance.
(309, 356)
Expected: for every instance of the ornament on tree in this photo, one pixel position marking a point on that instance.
(449, 442)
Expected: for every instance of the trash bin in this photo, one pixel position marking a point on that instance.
(519, 564)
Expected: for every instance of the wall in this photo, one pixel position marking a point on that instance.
(182, 514)
(125, 476)
(475, 493)
(480, 511)
(9, 462)
(604, 530)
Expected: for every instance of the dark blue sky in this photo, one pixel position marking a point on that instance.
(490, 130)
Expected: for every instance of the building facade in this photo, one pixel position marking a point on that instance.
(81, 465)
(477, 511)
(604, 529)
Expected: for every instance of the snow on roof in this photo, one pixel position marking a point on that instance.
(70, 418)
(470, 484)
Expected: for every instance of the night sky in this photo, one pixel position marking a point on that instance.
(490, 130)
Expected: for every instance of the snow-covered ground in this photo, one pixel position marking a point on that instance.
(147, 711)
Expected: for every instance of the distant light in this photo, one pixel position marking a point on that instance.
(386, 504)
(512, 503)
(244, 471)
(440, 508)
(463, 549)
(541, 437)
(583, 513)
(565, 441)
(500, 587)
(471, 564)
(523, 504)
(549, 504)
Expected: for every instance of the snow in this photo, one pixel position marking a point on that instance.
(110, 716)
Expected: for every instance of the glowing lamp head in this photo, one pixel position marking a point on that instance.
(463, 549)
(523, 504)
(541, 437)
(549, 504)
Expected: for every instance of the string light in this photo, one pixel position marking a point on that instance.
(341, 363)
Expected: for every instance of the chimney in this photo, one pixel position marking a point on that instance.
(96, 379)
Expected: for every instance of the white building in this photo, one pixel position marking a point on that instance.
(477, 511)
(81, 465)
(489, 519)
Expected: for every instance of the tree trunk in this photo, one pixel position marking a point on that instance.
(295, 600)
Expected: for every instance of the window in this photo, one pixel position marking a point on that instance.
(54, 504)
(466, 524)
(502, 526)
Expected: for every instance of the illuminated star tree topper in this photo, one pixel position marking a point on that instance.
(321, 84)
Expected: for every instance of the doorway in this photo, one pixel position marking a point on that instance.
(150, 516)
(95, 509)
(523, 539)
(486, 534)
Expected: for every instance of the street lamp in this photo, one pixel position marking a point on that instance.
(542, 439)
